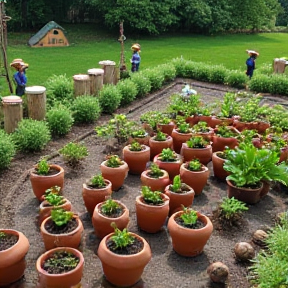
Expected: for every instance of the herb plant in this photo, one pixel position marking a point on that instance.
(97, 181)
(52, 196)
(160, 136)
(109, 207)
(155, 171)
(168, 155)
(183, 128)
(73, 153)
(120, 238)
(60, 216)
(135, 146)
(189, 216)
(225, 131)
(43, 167)
(151, 197)
(139, 133)
(113, 161)
(194, 165)
(7, 149)
(201, 127)
(197, 142)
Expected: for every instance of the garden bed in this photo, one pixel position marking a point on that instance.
(19, 208)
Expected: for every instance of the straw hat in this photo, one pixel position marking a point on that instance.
(16, 63)
(252, 52)
(136, 47)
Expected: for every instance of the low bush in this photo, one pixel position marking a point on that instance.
(260, 83)
(73, 153)
(143, 84)
(128, 91)
(31, 135)
(156, 78)
(109, 98)
(179, 65)
(7, 150)
(236, 79)
(59, 120)
(217, 74)
(201, 72)
(279, 84)
(86, 109)
(168, 71)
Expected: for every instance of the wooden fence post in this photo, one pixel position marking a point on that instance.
(36, 102)
(81, 85)
(96, 80)
(109, 71)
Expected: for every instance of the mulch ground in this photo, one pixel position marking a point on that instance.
(19, 208)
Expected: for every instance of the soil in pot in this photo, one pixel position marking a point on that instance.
(52, 228)
(8, 241)
(130, 249)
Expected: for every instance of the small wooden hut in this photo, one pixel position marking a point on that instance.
(50, 35)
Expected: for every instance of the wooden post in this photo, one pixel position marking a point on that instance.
(81, 85)
(116, 75)
(36, 102)
(109, 70)
(13, 112)
(96, 80)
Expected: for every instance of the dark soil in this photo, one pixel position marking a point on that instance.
(19, 208)
(8, 241)
(114, 214)
(69, 227)
(52, 171)
(130, 249)
(198, 225)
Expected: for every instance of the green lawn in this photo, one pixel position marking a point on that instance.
(89, 45)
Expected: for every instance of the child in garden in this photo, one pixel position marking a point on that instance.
(135, 60)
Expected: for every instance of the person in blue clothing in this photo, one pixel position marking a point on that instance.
(20, 76)
(250, 62)
(135, 60)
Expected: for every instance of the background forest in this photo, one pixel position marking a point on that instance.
(153, 16)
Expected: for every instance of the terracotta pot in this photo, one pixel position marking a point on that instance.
(141, 140)
(189, 242)
(203, 154)
(136, 160)
(192, 120)
(123, 270)
(172, 168)
(206, 135)
(45, 209)
(102, 223)
(115, 175)
(166, 128)
(64, 280)
(155, 184)
(179, 199)
(40, 183)
(218, 164)
(219, 143)
(156, 147)
(150, 218)
(93, 196)
(265, 189)
(178, 139)
(72, 239)
(207, 119)
(214, 121)
(283, 154)
(12, 260)
(250, 196)
(240, 126)
(195, 179)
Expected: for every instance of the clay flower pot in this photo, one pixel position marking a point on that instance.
(219, 142)
(123, 270)
(136, 160)
(141, 140)
(178, 139)
(203, 154)
(93, 196)
(178, 199)
(40, 183)
(156, 147)
(218, 164)
(150, 218)
(71, 239)
(12, 260)
(155, 184)
(102, 223)
(247, 195)
(65, 280)
(166, 128)
(189, 242)
(116, 175)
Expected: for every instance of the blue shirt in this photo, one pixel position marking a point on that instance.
(20, 78)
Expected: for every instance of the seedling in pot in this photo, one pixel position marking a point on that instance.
(178, 186)
(197, 142)
(155, 171)
(160, 136)
(194, 165)
(168, 155)
(113, 161)
(120, 238)
(43, 167)
(52, 196)
(135, 146)
(61, 217)
(151, 197)
(97, 181)
(110, 207)
(189, 217)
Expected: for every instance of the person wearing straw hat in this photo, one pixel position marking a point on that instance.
(20, 76)
(250, 62)
(135, 60)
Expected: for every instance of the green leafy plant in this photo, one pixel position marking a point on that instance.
(139, 133)
(155, 76)
(2, 235)
(120, 238)
(135, 146)
(155, 171)
(7, 150)
(109, 98)
(151, 197)
(160, 136)
(142, 82)
(113, 161)
(231, 209)
(97, 181)
(183, 128)
(73, 153)
(128, 91)
(52, 196)
(109, 207)
(60, 216)
(177, 186)
(229, 105)
(225, 131)
(189, 217)
(43, 168)
(168, 155)
(197, 142)
(201, 126)
(194, 165)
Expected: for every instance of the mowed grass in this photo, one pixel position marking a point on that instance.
(89, 45)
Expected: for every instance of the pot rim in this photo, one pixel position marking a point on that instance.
(55, 166)
(172, 192)
(205, 168)
(140, 199)
(106, 217)
(108, 182)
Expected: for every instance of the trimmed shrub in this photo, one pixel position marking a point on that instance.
(202, 72)
(59, 120)
(191, 69)
(155, 76)
(128, 91)
(109, 98)
(217, 74)
(31, 135)
(142, 82)
(260, 83)
(179, 64)
(278, 84)
(86, 109)
(265, 69)
(7, 150)
(236, 79)
(168, 71)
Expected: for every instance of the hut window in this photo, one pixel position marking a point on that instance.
(55, 32)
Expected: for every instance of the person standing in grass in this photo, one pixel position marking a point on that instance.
(250, 62)
(135, 60)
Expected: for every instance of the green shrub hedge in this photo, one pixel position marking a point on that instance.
(7, 150)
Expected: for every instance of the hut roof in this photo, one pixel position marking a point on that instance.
(43, 31)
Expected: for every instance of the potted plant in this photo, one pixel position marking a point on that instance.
(179, 194)
(190, 231)
(52, 200)
(60, 267)
(14, 247)
(194, 174)
(181, 134)
(152, 208)
(115, 170)
(158, 142)
(136, 156)
(123, 256)
(170, 161)
(202, 129)
(62, 229)
(107, 212)
(248, 167)
(155, 178)
(43, 176)
(197, 147)
(218, 160)
(140, 135)
(165, 124)
(95, 191)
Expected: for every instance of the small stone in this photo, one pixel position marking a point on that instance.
(244, 251)
(218, 272)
